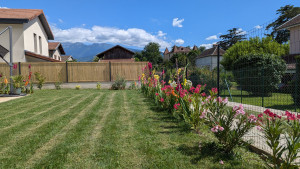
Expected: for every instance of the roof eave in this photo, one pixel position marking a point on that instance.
(14, 21)
(46, 26)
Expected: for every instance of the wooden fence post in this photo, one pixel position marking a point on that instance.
(67, 73)
(109, 71)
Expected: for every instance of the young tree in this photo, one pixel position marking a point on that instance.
(201, 49)
(152, 54)
(234, 35)
(285, 13)
(96, 59)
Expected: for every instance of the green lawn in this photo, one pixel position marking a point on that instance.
(104, 129)
(280, 101)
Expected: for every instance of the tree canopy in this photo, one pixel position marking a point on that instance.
(285, 13)
(234, 35)
(150, 53)
(254, 45)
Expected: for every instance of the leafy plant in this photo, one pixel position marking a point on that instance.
(256, 46)
(119, 84)
(259, 74)
(41, 79)
(57, 85)
(18, 81)
(77, 87)
(133, 86)
(98, 86)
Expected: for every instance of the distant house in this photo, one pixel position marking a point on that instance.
(31, 33)
(56, 50)
(209, 57)
(116, 54)
(67, 58)
(293, 25)
(175, 50)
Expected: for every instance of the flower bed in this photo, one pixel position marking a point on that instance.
(229, 125)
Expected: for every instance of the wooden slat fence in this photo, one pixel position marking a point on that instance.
(78, 71)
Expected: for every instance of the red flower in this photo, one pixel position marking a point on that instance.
(176, 106)
(15, 66)
(203, 94)
(156, 94)
(162, 99)
(214, 90)
(150, 65)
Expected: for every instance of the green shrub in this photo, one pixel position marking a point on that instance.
(78, 87)
(57, 85)
(205, 76)
(119, 84)
(40, 78)
(259, 74)
(254, 45)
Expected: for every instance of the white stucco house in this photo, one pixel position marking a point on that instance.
(209, 58)
(56, 50)
(31, 33)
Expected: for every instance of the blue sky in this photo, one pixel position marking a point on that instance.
(134, 23)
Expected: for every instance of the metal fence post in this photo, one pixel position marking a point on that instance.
(297, 81)
(241, 86)
(19, 65)
(218, 69)
(263, 86)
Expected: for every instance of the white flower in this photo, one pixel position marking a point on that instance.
(173, 84)
(189, 83)
(192, 107)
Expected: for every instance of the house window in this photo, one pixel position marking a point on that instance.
(54, 56)
(41, 46)
(35, 42)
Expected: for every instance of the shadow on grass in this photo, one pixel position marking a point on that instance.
(209, 150)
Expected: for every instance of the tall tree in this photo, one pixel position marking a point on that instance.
(192, 55)
(234, 35)
(152, 54)
(285, 13)
(201, 49)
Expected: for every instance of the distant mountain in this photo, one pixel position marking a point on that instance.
(85, 53)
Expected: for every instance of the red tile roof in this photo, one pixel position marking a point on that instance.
(27, 53)
(65, 57)
(17, 16)
(117, 60)
(55, 46)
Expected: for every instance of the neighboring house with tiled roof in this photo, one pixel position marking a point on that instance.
(31, 33)
(56, 50)
(116, 54)
(209, 57)
(175, 50)
(293, 25)
(67, 58)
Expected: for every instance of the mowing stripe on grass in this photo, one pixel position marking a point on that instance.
(28, 145)
(30, 130)
(27, 113)
(30, 114)
(107, 151)
(6, 113)
(59, 137)
(84, 157)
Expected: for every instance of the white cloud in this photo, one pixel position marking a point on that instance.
(161, 34)
(177, 22)
(3, 7)
(257, 27)
(98, 34)
(60, 20)
(179, 41)
(240, 31)
(213, 37)
(208, 46)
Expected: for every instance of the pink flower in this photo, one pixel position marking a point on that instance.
(15, 66)
(197, 90)
(29, 66)
(225, 101)
(259, 128)
(216, 129)
(260, 115)
(214, 90)
(252, 118)
(239, 110)
(290, 116)
(139, 78)
(150, 65)
(203, 114)
(221, 128)
(221, 162)
(219, 99)
(162, 99)
(203, 94)
(156, 94)
(176, 106)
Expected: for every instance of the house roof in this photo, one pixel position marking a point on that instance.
(55, 46)
(117, 60)
(166, 51)
(20, 16)
(295, 21)
(117, 46)
(180, 49)
(211, 52)
(31, 54)
(65, 57)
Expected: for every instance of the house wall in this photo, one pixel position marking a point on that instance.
(295, 40)
(35, 26)
(18, 42)
(118, 53)
(209, 61)
(55, 54)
